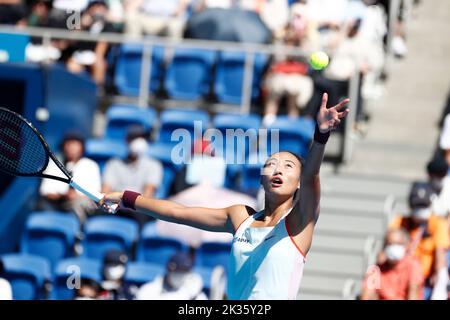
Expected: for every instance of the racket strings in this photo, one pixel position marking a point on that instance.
(21, 150)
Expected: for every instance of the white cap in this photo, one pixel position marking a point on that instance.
(444, 142)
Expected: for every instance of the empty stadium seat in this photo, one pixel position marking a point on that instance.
(128, 69)
(102, 150)
(163, 153)
(103, 233)
(189, 74)
(174, 119)
(139, 273)
(27, 275)
(50, 235)
(120, 117)
(250, 179)
(155, 248)
(13, 46)
(230, 76)
(68, 272)
(211, 254)
(295, 135)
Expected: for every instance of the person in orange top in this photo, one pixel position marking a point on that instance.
(429, 238)
(397, 276)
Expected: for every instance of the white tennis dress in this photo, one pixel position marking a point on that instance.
(265, 263)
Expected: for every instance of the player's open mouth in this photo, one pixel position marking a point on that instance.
(276, 182)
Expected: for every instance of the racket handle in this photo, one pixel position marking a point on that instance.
(93, 195)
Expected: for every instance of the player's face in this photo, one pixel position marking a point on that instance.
(281, 174)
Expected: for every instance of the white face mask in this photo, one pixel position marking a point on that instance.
(114, 273)
(422, 213)
(176, 279)
(394, 252)
(138, 146)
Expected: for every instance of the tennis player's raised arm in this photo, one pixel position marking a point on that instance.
(327, 120)
(218, 220)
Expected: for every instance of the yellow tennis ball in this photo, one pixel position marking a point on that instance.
(319, 60)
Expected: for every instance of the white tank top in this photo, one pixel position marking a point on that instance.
(265, 263)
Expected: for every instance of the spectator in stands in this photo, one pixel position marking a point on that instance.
(289, 75)
(58, 195)
(87, 55)
(89, 290)
(179, 282)
(63, 12)
(40, 13)
(114, 268)
(440, 183)
(156, 17)
(429, 239)
(444, 142)
(5, 287)
(398, 276)
(137, 172)
(12, 12)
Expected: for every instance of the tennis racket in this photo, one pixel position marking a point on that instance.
(24, 152)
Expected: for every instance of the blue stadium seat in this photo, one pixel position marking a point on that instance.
(103, 233)
(139, 273)
(12, 47)
(163, 153)
(128, 69)
(50, 235)
(230, 76)
(27, 275)
(120, 117)
(250, 179)
(173, 119)
(102, 150)
(295, 135)
(155, 248)
(69, 271)
(211, 254)
(189, 74)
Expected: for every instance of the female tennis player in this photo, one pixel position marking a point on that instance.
(270, 246)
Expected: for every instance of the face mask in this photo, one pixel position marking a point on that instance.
(422, 213)
(138, 146)
(436, 184)
(394, 252)
(114, 273)
(176, 279)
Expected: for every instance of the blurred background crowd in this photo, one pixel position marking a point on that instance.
(131, 256)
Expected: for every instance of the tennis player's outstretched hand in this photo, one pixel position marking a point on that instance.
(329, 118)
(110, 199)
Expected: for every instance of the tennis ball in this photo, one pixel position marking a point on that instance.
(319, 60)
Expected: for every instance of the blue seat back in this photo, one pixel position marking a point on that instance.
(139, 273)
(69, 272)
(189, 74)
(230, 76)
(104, 233)
(102, 150)
(120, 117)
(27, 275)
(12, 47)
(250, 181)
(128, 69)
(211, 254)
(50, 235)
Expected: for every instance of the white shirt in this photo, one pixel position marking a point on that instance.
(5, 290)
(85, 172)
(190, 290)
(441, 205)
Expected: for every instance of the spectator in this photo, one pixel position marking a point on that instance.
(58, 195)
(40, 13)
(399, 276)
(87, 55)
(137, 172)
(444, 142)
(63, 10)
(440, 183)
(5, 287)
(156, 17)
(289, 75)
(89, 290)
(179, 282)
(12, 12)
(114, 268)
(429, 239)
